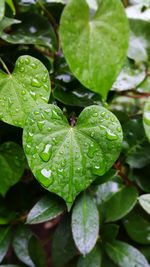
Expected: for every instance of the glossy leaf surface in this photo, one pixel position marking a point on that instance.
(144, 201)
(67, 159)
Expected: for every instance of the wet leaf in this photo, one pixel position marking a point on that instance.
(84, 42)
(67, 159)
(12, 165)
(28, 85)
(85, 224)
(47, 208)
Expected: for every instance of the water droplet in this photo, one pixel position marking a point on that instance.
(95, 114)
(103, 114)
(44, 177)
(111, 136)
(36, 112)
(92, 150)
(44, 79)
(55, 115)
(23, 92)
(40, 124)
(35, 83)
(33, 94)
(49, 129)
(46, 87)
(34, 66)
(92, 134)
(27, 60)
(21, 60)
(21, 69)
(9, 101)
(44, 99)
(119, 129)
(46, 154)
(147, 118)
(113, 38)
(17, 109)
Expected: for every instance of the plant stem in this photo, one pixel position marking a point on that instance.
(5, 67)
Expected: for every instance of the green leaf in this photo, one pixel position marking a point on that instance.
(21, 243)
(107, 262)
(6, 22)
(11, 4)
(146, 118)
(95, 43)
(85, 224)
(110, 200)
(66, 158)
(146, 251)
(144, 201)
(2, 9)
(93, 259)
(109, 232)
(12, 165)
(10, 265)
(140, 176)
(63, 248)
(33, 29)
(137, 227)
(36, 252)
(56, 1)
(5, 238)
(47, 208)
(28, 85)
(6, 214)
(125, 255)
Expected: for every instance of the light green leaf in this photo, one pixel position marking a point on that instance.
(11, 4)
(93, 259)
(144, 201)
(2, 9)
(146, 118)
(28, 85)
(63, 248)
(125, 255)
(5, 238)
(95, 43)
(47, 208)
(137, 227)
(12, 165)
(85, 224)
(110, 200)
(66, 158)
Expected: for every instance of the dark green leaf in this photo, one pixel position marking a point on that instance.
(137, 227)
(125, 255)
(110, 199)
(109, 232)
(67, 159)
(12, 165)
(85, 224)
(144, 201)
(146, 118)
(63, 248)
(93, 259)
(33, 29)
(28, 85)
(85, 37)
(6, 22)
(5, 238)
(2, 9)
(36, 252)
(47, 208)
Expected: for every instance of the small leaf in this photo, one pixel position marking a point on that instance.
(36, 252)
(125, 255)
(21, 243)
(144, 201)
(146, 118)
(63, 248)
(28, 85)
(137, 227)
(67, 158)
(12, 165)
(85, 224)
(5, 238)
(110, 200)
(85, 37)
(47, 208)
(93, 259)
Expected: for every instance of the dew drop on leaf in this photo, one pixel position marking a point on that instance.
(55, 115)
(44, 177)
(40, 124)
(35, 83)
(91, 151)
(111, 136)
(46, 154)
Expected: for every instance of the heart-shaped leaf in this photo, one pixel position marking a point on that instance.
(146, 118)
(65, 159)
(12, 164)
(23, 90)
(84, 40)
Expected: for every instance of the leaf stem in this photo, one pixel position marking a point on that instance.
(5, 67)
